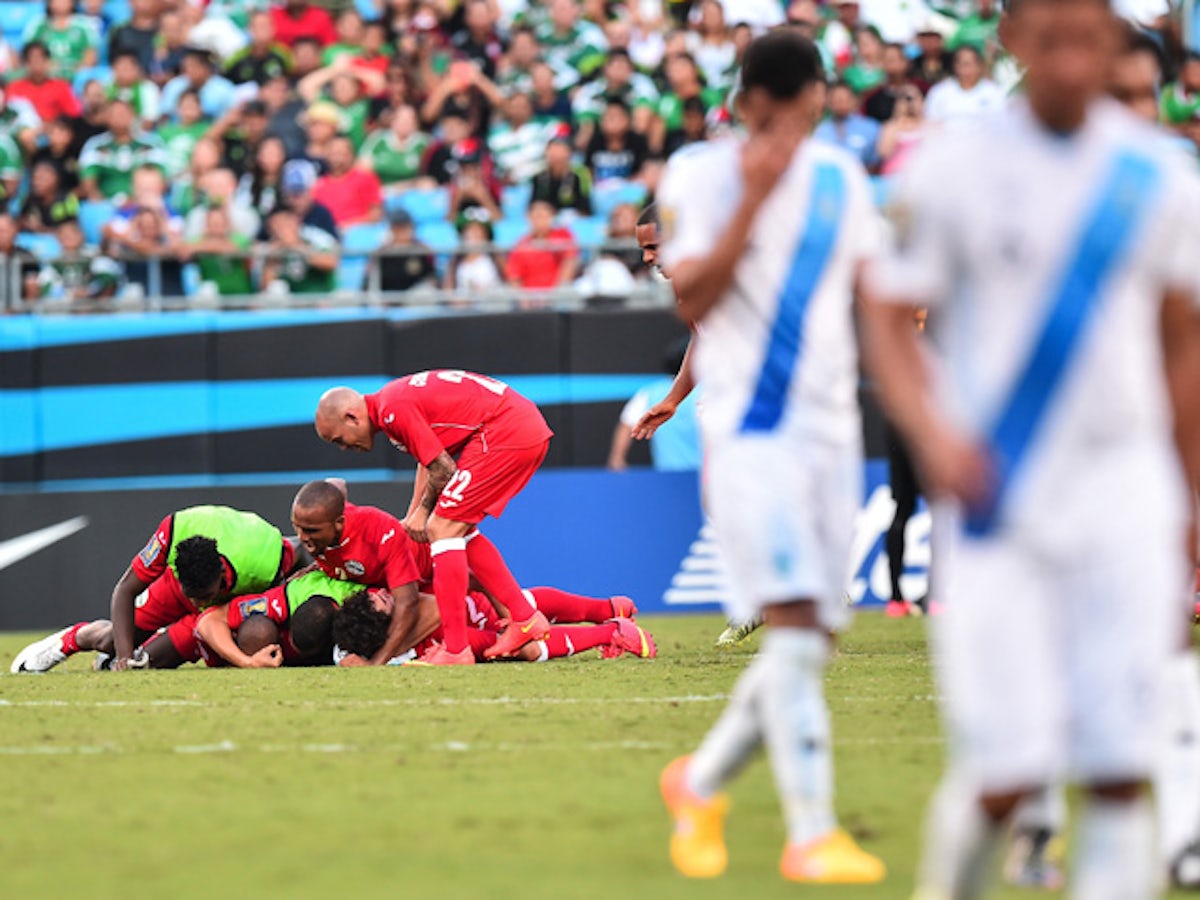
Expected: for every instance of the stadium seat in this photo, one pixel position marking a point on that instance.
(103, 74)
(351, 273)
(442, 237)
(427, 206)
(508, 231)
(15, 16)
(92, 216)
(608, 195)
(590, 232)
(362, 239)
(514, 201)
(43, 246)
(118, 11)
(367, 9)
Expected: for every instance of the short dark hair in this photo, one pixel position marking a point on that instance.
(649, 215)
(28, 49)
(973, 50)
(311, 626)
(782, 63)
(358, 627)
(197, 564)
(256, 632)
(322, 495)
(125, 54)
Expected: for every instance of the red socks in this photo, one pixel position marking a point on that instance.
(70, 640)
(489, 569)
(561, 606)
(451, 576)
(569, 641)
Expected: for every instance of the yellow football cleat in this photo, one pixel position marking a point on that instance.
(698, 844)
(832, 859)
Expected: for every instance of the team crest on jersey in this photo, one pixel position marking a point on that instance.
(355, 568)
(150, 552)
(277, 607)
(255, 606)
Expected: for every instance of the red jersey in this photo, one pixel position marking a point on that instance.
(426, 413)
(374, 550)
(52, 98)
(350, 197)
(536, 267)
(313, 22)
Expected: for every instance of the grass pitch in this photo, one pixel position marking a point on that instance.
(499, 781)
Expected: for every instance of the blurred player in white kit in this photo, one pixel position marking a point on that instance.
(764, 238)
(1054, 246)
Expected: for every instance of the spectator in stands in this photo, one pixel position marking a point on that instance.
(478, 40)
(866, 72)
(935, 62)
(903, 132)
(152, 253)
(169, 48)
(47, 204)
(301, 256)
(622, 236)
(295, 19)
(241, 130)
(549, 103)
(616, 151)
(1181, 99)
(475, 189)
(138, 35)
(969, 94)
(547, 256)
(372, 58)
(979, 29)
(619, 82)
(474, 269)
(516, 66)
(77, 277)
(695, 127)
(880, 103)
(847, 128)
(19, 120)
(50, 97)
(220, 253)
(350, 30)
(129, 83)
(187, 189)
(148, 189)
(60, 151)
(181, 136)
(573, 48)
(684, 82)
(441, 163)
(404, 262)
(11, 169)
(297, 182)
(397, 91)
(261, 59)
(711, 45)
(306, 57)
(219, 190)
(465, 92)
(108, 160)
(18, 268)
(838, 37)
(95, 15)
(72, 41)
(260, 187)
(517, 143)
(322, 123)
(396, 154)
(352, 193)
(94, 119)
(284, 113)
(346, 87)
(216, 91)
(564, 184)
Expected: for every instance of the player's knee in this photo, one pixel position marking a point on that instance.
(439, 528)
(998, 807)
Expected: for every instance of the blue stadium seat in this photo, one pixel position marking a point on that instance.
(367, 9)
(93, 214)
(351, 273)
(608, 195)
(589, 231)
(103, 74)
(508, 231)
(362, 239)
(118, 11)
(43, 246)
(441, 236)
(514, 200)
(427, 206)
(15, 16)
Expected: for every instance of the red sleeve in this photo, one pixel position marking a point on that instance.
(390, 541)
(515, 269)
(152, 561)
(273, 604)
(327, 34)
(70, 103)
(409, 427)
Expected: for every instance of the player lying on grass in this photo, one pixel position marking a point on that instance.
(305, 638)
(198, 557)
(361, 625)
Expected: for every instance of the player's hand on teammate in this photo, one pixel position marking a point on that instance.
(269, 657)
(957, 467)
(765, 157)
(654, 418)
(351, 660)
(415, 523)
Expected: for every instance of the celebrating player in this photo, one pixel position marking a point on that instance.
(477, 444)
(1054, 246)
(197, 558)
(764, 238)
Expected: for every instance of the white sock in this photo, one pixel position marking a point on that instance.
(1177, 781)
(1045, 809)
(1115, 856)
(795, 724)
(960, 842)
(732, 741)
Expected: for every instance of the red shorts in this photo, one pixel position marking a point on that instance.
(483, 626)
(487, 480)
(163, 605)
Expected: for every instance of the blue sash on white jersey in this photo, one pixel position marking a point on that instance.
(1113, 223)
(808, 265)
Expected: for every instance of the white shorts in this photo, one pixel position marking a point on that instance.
(784, 514)
(1050, 662)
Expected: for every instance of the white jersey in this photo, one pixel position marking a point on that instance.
(1044, 260)
(777, 353)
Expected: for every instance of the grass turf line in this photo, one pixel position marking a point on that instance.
(501, 781)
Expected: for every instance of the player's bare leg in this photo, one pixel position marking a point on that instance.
(46, 653)
(527, 623)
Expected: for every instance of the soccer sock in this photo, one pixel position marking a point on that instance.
(1045, 809)
(960, 842)
(486, 563)
(569, 641)
(732, 741)
(562, 606)
(795, 724)
(450, 578)
(1115, 856)
(1177, 781)
(70, 640)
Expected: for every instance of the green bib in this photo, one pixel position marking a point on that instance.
(318, 584)
(252, 546)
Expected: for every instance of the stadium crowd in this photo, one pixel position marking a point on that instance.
(172, 148)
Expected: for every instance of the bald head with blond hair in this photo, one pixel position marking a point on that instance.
(342, 419)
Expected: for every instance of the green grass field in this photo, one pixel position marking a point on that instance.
(499, 781)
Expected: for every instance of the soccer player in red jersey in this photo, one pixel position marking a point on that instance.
(477, 443)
